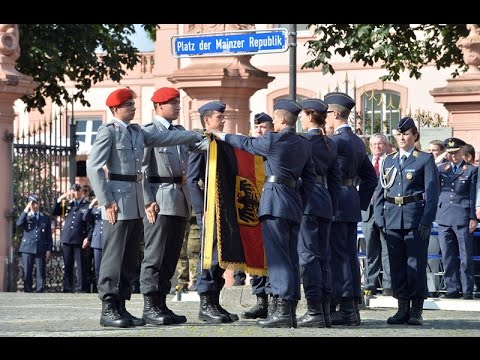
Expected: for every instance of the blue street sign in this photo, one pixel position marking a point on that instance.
(243, 42)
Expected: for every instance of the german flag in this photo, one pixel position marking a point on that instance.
(234, 183)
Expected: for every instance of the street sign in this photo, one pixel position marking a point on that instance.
(242, 42)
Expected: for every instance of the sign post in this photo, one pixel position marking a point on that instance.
(242, 42)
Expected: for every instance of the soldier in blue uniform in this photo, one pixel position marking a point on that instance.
(456, 220)
(260, 285)
(356, 169)
(406, 200)
(93, 217)
(37, 243)
(288, 157)
(71, 206)
(118, 148)
(209, 281)
(313, 242)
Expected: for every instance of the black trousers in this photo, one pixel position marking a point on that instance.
(163, 243)
(121, 248)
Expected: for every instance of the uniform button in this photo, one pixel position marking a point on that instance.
(71, 227)
(453, 184)
(135, 149)
(123, 146)
(398, 194)
(138, 160)
(118, 190)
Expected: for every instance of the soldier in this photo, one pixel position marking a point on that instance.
(166, 190)
(72, 206)
(406, 200)
(260, 285)
(36, 245)
(118, 148)
(209, 282)
(456, 220)
(356, 169)
(313, 243)
(288, 158)
(95, 234)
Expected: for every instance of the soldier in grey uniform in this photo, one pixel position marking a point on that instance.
(165, 189)
(36, 245)
(118, 152)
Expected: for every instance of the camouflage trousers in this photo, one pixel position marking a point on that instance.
(189, 254)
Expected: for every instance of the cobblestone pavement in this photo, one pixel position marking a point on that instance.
(77, 315)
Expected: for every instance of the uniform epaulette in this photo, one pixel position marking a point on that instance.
(179, 127)
(147, 125)
(135, 125)
(110, 124)
(303, 136)
(394, 154)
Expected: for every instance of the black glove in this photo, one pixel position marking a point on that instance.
(424, 231)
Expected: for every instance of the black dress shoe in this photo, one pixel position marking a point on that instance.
(467, 296)
(454, 295)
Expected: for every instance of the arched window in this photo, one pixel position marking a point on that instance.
(380, 111)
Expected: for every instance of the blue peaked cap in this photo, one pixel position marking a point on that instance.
(290, 105)
(315, 104)
(261, 118)
(213, 106)
(33, 198)
(339, 98)
(405, 124)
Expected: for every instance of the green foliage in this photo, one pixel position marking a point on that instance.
(398, 47)
(55, 53)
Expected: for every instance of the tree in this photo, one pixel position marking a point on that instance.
(54, 53)
(399, 47)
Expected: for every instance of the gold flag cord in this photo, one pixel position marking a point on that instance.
(209, 220)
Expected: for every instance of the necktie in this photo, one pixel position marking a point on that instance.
(402, 160)
(129, 128)
(170, 127)
(454, 168)
(376, 165)
(36, 216)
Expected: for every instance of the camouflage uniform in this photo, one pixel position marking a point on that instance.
(189, 255)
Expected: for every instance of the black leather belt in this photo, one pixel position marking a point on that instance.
(347, 182)
(130, 178)
(166, 180)
(281, 180)
(321, 180)
(402, 200)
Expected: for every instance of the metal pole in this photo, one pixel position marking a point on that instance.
(293, 62)
(73, 150)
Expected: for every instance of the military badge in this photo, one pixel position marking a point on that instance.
(464, 167)
(409, 176)
(451, 143)
(415, 153)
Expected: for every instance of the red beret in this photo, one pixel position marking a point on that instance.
(118, 97)
(165, 94)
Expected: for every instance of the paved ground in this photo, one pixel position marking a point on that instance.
(77, 315)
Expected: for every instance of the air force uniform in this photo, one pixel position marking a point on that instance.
(456, 207)
(36, 241)
(95, 233)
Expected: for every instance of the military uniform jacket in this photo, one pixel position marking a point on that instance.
(286, 154)
(37, 234)
(93, 217)
(122, 154)
(168, 161)
(75, 229)
(368, 214)
(323, 202)
(197, 163)
(456, 205)
(354, 164)
(417, 175)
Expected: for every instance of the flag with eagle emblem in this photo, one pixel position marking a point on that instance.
(234, 185)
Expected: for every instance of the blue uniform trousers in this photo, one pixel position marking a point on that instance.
(28, 260)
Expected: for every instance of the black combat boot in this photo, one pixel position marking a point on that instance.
(209, 312)
(124, 313)
(162, 307)
(402, 315)
(151, 312)
(416, 312)
(326, 311)
(357, 310)
(347, 315)
(111, 317)
(314, 316)
(281, 318)
(216, 302)
(259, 310)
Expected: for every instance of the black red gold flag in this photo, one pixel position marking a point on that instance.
(235, 188)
